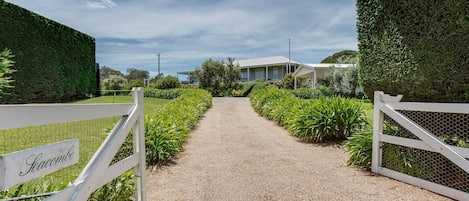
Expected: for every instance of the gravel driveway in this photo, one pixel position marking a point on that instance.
(235, 154)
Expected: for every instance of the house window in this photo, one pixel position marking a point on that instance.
(275, 74)
(244, 75)
(259, 73)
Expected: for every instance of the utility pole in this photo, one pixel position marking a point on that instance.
(158, 64)
(289, 56)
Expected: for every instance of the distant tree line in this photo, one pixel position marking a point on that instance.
(112, 79)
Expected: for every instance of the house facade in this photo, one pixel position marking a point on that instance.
(268, 68)
(275, 68)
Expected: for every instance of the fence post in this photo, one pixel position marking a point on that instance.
(139, 146)
(378, 119)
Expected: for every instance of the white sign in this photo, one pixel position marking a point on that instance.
(20, 167)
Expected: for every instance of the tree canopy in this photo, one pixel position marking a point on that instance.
(105, 72)
(218, 76)
(136, 74)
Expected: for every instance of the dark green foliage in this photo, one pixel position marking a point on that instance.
(54, 62)
(5, 71)
(360, 146)
(168, 82)
(415, 47)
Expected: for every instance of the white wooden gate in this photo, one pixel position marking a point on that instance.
(422, 143)
(98, 171)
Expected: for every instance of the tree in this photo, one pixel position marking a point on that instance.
(115, 82)
(157, 78)
(232, 74)
(217, 76)
(168, 82)
(5, 69)
(105, 72)
(135, 74)
(353, 81)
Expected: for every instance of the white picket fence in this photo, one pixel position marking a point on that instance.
(98, 171)
(391, 106)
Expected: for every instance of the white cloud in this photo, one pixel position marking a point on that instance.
(100, 4)
(130, 32)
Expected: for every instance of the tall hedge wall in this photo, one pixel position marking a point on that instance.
(54, 63)
(419, 48)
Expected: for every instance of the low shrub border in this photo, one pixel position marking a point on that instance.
(316, 120)
(166, 128)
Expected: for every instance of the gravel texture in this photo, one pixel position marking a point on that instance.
(235, 154)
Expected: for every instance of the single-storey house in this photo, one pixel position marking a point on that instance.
(268, 68)
(275, 68)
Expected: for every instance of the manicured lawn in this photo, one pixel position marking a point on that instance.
(368, 106)
(149, 103)
(90, 133)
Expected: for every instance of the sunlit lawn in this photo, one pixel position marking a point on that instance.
(368, 106)
(149, 103)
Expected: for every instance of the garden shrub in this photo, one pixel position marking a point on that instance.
(324, 119)
(329, 118)
(415, 48)
(288, 81)
(168, 82)
(310, 93)
(167, 128)
(245, 88)
(360, 146)
(133, 83)
(121, 188)
(164, 94)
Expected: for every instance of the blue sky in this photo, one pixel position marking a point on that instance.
(130, 33)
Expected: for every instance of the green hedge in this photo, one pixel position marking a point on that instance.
(54, 62)
(418, 48)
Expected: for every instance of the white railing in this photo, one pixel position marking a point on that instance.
(98, 171)
(389, 105)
